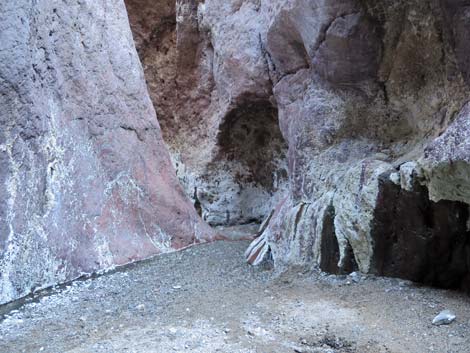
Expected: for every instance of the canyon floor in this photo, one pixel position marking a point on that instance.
(207, 299)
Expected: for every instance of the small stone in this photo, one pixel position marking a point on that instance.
(444, 318)
(395, 178)
(355, 277)
(140, 307)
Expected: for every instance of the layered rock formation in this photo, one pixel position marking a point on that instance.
(371, 100)
(86, 182)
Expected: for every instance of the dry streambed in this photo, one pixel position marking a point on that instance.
(206, 299)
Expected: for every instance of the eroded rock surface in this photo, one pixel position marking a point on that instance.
(358, 135)
(86, 182)
(346, 122)
(371, 100)
(216, 113)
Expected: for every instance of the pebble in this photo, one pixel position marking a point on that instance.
(444, 318)
(355, 277)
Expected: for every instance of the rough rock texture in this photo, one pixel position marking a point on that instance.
(346, 123)
(209, 82)
(371, 99)
(380, 81)
(86, 182)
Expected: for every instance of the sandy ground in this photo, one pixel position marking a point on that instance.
(206, 299)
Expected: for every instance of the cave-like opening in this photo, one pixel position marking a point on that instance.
(249, 168)
(250, 135)
(238, 184)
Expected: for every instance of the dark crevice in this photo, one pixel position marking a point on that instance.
(197, 203)
(418, 239)
(269, 63)
(330, 254)
(298, 217)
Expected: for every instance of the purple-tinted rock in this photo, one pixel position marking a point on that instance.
(86, 182)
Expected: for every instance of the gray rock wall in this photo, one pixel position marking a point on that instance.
(86, 182)
(345, 122)
(205, 72)
(371, 100)
(371, 118)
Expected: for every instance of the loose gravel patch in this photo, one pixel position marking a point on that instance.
(206, 299)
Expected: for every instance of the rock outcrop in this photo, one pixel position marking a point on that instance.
(368, 167)
(371, 99)
(344, 124)
(209, 82)
(86, 182)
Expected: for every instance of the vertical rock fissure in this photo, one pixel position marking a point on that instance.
(330, 253)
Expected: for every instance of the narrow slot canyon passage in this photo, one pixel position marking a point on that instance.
(235, 176)
(247, 174)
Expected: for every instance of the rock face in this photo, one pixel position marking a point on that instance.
(344, 123)
(363, 119)
(210, 84)
(86, 182)
(370, 97)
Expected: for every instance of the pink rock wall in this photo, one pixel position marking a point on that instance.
(86, 181)
(369, 98)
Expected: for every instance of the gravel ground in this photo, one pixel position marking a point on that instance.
(206, 299)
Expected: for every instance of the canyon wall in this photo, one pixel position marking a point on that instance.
(210, 86)
(86, 182)
(369, 96)
(343, 124)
